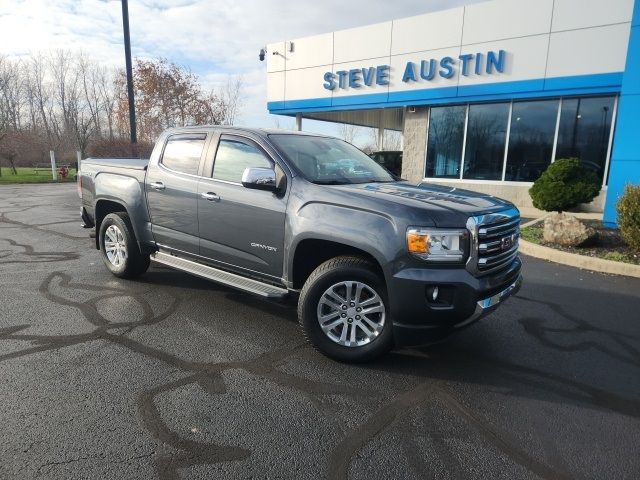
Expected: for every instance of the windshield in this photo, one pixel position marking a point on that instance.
(330, 161)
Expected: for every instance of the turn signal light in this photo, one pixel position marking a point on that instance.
(436, 245)
(417, 243)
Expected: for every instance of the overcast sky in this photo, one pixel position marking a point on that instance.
(214, 38)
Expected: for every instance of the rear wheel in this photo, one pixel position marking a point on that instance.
(120, 251)
(344, 312)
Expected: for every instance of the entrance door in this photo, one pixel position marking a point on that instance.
(241, 227)
(172, 189)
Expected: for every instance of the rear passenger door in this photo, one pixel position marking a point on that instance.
(240, 227)
(172, 189)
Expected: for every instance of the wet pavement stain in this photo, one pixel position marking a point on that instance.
(448, 396)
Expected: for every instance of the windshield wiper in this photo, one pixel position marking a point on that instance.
(330, 182)
(378, 181)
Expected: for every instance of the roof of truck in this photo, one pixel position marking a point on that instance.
(257, 131)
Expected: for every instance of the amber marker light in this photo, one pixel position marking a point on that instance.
(436, 245)
(417, 242)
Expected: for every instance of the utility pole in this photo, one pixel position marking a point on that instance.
(127, 56)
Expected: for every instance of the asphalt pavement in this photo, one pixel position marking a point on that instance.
(171, 376)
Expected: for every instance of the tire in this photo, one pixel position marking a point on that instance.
(373, 330)
(122, 255)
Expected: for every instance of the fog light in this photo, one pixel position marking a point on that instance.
(440, 296)
(432, 294)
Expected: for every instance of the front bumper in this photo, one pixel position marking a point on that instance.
(489, 304)
(417, 322)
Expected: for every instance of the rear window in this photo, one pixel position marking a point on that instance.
(182, 153)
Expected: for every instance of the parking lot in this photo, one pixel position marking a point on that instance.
(171, 376)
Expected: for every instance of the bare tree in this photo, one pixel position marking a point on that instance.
(64, 101)
(4, 86)
(348, 132)
(41, 94)
(392, 140)
(108, 98)
(90, 74)
(231, 98)
(9, 110)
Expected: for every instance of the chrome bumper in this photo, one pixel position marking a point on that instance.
(489, 304)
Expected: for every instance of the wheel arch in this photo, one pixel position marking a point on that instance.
(309, 253)
(103, 208)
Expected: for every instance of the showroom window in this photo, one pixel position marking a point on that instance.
(515, 141)
(583, 133)
(486, 141)
(533, 126)
(446, 134)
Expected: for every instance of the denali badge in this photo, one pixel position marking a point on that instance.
(264, 247)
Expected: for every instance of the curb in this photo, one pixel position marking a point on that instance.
(579, 261)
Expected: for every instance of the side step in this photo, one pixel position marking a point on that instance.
(210, 273)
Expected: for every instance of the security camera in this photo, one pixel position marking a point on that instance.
(262, 54)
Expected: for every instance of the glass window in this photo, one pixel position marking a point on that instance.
(533, 126)
(182, 153)
(444, 144)
(486, 137)
(330, 161)
(585, 124)
(233, 157)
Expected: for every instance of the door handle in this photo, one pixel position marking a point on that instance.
(212, 197)
(157, 185)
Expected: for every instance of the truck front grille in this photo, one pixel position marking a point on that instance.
(494, 241)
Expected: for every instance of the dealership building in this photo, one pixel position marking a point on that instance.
(486, 95)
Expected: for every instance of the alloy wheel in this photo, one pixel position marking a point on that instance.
(115, 246)
(351, 313)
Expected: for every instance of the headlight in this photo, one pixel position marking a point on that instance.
(436, 245)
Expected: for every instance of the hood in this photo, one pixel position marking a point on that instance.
(439, 201)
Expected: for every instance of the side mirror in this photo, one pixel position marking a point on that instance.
(259, 178)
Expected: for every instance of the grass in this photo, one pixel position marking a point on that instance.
(28, 175)
(532, 234)
(618, 257)
(608, 245)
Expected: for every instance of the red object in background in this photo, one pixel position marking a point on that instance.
(63, 172)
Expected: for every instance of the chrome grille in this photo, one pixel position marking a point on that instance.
(494, 241)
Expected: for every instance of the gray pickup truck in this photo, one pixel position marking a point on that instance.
(374, 261)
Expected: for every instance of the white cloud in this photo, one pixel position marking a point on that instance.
(214, 38)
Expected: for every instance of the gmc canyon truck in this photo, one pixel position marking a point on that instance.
(374, 261)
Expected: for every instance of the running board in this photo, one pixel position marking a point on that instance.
(220, 276)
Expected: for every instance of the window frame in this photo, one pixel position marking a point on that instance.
(502, 181)
(186, 135)
(237, 138)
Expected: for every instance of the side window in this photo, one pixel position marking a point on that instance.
(182, 153)
(233, 156)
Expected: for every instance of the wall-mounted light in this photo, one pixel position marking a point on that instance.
(290, 47)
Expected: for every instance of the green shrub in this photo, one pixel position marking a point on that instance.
(563, 185)
(628, 208)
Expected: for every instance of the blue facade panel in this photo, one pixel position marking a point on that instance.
(625, 157)
(524, 89)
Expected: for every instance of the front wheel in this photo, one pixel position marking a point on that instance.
(343, 310)
(119, 248)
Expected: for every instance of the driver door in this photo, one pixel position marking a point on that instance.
(240, 227)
